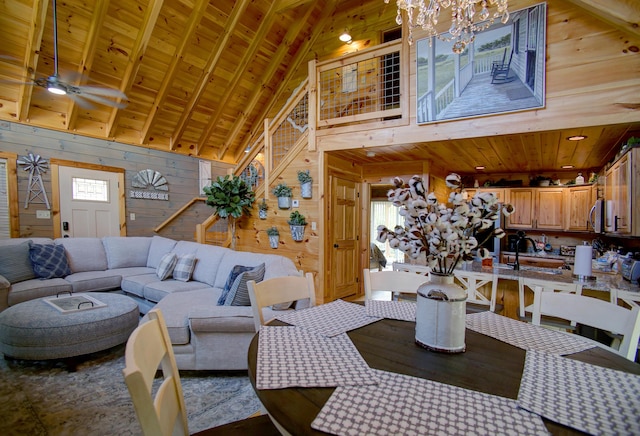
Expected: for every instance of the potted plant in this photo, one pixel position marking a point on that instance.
(284, 194)
(274, 236)
(262, 209)
(297, 222)
(231, 198)
(305, 180)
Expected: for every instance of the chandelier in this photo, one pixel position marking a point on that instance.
(463, 18)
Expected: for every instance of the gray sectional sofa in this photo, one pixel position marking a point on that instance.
(205, 335)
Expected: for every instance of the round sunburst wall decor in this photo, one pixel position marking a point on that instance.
(152, 181)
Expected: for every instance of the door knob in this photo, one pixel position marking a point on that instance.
(335, 245)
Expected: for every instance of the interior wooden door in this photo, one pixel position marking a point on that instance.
(344, 265)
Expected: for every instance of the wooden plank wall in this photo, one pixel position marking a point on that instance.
(181, 172)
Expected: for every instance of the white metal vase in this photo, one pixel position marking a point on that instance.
(440, 315)
(306, 190)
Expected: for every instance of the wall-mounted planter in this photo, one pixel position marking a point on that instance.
(284, 202)
(262, 214)
(306, 189)
(274, 241)
(297, 232)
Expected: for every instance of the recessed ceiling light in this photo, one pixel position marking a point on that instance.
(577, 138)
(479, 168)
(567, 167)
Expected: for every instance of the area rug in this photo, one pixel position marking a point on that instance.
(47, 398)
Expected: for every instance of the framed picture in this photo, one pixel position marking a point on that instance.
(502, 70)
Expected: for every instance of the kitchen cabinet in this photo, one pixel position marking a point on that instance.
(618, 189)
(535, 208)
(498, 192)
(578, 202)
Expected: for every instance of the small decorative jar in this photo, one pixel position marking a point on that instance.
(440, 315)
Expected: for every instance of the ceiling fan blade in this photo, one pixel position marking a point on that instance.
(102, 100)
(99, 90)
(80, 101)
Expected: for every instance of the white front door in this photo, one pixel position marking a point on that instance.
(89, 203)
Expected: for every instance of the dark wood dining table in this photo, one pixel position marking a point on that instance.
(488, 365)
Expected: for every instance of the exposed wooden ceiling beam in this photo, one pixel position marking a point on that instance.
(88, 54)
(194, 19)
(285, 5)
(212, 62)
(32, 50)
(135, 58)
(300, 57)
(622, 14)
(247, 57)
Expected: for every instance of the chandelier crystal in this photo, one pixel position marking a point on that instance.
(466, 19)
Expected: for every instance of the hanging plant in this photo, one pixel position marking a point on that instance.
(297, 222)
(262, 209)
(284, 194)
(231, 198)
(274, 236)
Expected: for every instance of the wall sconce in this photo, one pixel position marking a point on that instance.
(345, 37)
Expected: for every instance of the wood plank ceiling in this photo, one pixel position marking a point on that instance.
(201, 75)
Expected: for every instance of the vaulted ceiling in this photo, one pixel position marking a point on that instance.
(201, 75)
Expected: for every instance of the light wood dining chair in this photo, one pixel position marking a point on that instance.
(148, 348)
(473, 281)
(278, 290)
(391, 281)
(595, 313)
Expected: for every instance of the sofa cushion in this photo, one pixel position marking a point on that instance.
(275, 265)
(185, 265)
(126, 251)
(88, 281)
(15, 265)
(84, 254)
(166, 265)
(239, 293)
(218, 319)
(233, 275)
(135, 284)
(49, 261)
(36, 288)
(158, 248)
(209, 257)
(156, 291)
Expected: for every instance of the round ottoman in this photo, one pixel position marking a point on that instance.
(36, 330)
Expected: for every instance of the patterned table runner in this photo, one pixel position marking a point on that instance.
(404, 405)
(330, 319)
(586, 397)
(526, 336)
(402, 310)
(294, 356)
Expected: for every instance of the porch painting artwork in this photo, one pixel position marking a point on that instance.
(503, 70)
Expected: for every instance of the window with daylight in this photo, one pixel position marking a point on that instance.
(90, 189)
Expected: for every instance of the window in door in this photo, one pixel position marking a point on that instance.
(89, 189)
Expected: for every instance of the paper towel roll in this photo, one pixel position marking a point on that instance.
(582, 265)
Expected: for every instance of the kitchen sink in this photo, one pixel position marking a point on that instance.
(552, 271)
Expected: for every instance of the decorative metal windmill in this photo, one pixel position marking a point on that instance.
(36, 165)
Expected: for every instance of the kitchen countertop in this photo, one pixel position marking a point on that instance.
(604, 281)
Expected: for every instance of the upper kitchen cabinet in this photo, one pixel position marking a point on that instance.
(621, 195)
(578, 201)
(535, 208)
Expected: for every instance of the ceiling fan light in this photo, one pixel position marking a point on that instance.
(345, 37)
(56, 89)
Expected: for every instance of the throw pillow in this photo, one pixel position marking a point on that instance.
(185, 265)
(15, 265)
(49, 261)
(239, 293)
(233, 275)
(166, 265)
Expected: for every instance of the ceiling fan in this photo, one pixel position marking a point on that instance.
(83, 95)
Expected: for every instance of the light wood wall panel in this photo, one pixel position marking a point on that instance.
(181, 172)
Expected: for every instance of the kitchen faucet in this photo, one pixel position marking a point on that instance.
(522, 236)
